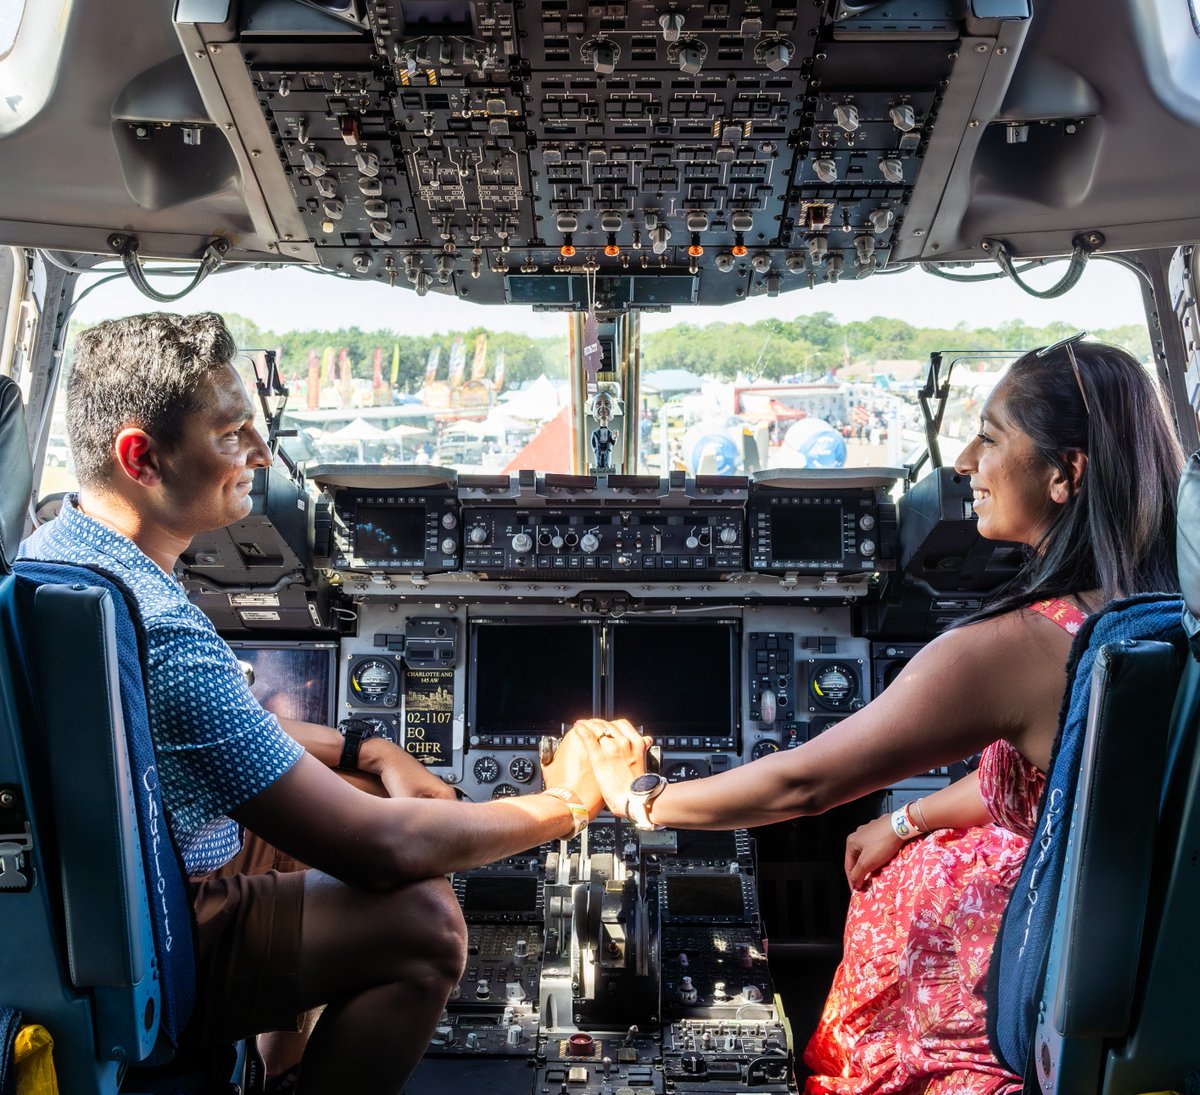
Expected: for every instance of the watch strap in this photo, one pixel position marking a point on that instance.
(354, 733)
(637, 807)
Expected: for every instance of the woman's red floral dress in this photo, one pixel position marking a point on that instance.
(906, 1011)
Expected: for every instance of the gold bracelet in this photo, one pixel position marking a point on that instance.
(579, 812)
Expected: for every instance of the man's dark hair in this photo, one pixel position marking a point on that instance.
(1116, 533)
(146, 371)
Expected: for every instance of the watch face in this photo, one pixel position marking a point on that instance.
(645, 784)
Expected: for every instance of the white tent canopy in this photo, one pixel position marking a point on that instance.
(358, 430)
(404, 430)
(538, 401)
(464, 427)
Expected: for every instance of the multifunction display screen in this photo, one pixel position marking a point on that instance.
(292, 680)
(530, 678)
(808, 533)
(390, 533)
(715, 896)
(675, 680)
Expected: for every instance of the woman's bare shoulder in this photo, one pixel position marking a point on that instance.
(990, 652)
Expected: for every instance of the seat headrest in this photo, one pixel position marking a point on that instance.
(17, 485)
(1187, 541)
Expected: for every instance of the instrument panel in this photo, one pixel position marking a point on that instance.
(727, 623)
(838, 522)
(714, 688)
(598, 545)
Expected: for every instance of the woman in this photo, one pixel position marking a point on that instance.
(1075, 459)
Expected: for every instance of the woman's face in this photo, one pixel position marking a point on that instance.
(1010, 482)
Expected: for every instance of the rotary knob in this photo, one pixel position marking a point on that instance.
(588, 542)
(449, 520)
(728, 535)
(866, 522)
(692, 543)
(522, 542)
(477, 534)
(556, 541)
(866, 549)
(449, 547)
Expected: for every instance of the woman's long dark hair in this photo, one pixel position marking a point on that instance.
(1116, 532)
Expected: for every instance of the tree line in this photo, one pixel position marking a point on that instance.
(813, 345)
(808, 346)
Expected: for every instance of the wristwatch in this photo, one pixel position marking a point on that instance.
(354, 732)
(643, 791)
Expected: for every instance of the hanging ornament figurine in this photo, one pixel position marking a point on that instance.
(602, 437)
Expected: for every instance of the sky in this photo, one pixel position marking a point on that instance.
(283, 300)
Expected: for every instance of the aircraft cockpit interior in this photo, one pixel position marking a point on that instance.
(426, 559)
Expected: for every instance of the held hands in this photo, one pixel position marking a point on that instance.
(868, 848)
(617, 753)
(571, 768)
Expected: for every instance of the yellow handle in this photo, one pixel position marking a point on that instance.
(34, 1060)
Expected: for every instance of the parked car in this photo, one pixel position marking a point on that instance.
(58, 453)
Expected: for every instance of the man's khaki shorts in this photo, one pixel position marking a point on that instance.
(248, 919)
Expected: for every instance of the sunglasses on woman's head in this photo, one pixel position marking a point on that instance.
(1068, 344)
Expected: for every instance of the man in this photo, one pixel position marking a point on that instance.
(165, 447)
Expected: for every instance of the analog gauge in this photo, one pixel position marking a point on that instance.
(763, 747)
(521, 769)
(487, 770)
(382, 728)
(374, 682)
(682, 772)
(833, 685)
(504, 790)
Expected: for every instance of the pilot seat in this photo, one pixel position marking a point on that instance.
(97, 929)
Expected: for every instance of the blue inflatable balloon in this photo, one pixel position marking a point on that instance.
(722, 449)
(816, 444)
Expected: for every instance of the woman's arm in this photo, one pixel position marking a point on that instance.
(875, 844)
(1000, 678)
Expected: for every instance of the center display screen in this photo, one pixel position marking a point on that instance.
(676, 680)
(531, 678)
(390, 533)
(807, 534)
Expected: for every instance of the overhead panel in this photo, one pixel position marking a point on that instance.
(569, 154)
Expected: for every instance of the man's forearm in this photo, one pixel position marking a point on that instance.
(323, 742)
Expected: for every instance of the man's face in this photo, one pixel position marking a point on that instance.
(208, 475)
